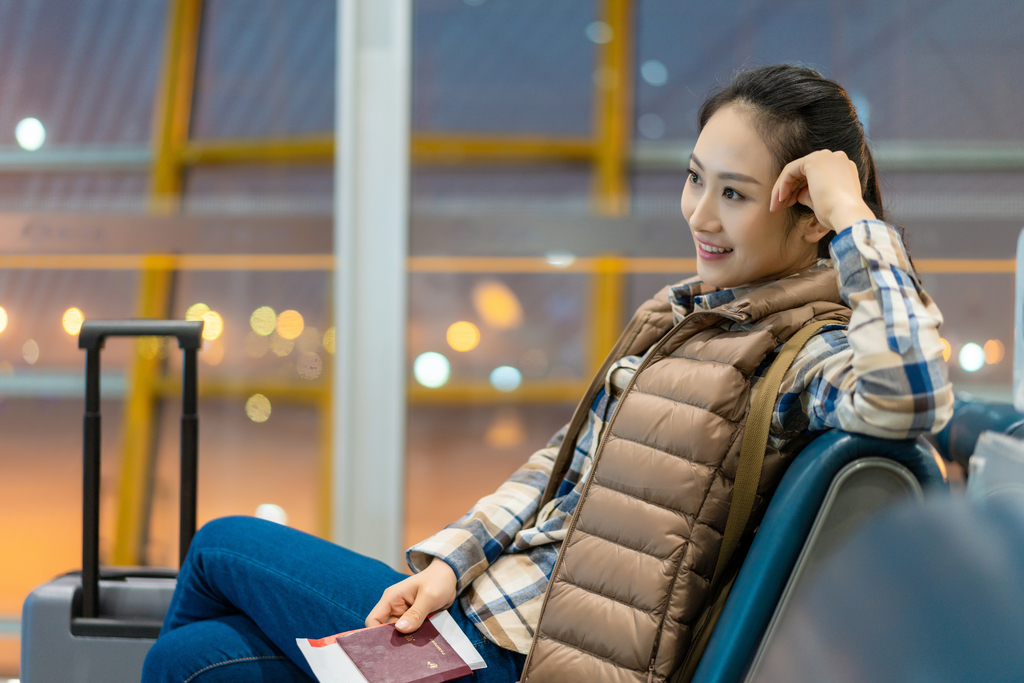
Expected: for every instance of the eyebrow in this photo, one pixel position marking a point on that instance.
(728, 176)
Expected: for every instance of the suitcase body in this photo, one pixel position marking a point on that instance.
(96, 626)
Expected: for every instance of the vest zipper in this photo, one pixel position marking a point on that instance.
(590, 478)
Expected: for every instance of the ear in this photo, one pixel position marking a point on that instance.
(811, 229)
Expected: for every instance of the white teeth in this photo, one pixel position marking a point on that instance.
(712, 250)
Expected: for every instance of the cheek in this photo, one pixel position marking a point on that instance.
(687, 202)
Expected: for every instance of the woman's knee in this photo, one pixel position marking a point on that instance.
(231, 533)
(221, 531)
(169, 660)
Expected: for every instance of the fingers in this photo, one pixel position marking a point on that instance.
(414, 616)
(391, 604)
(428, 601)
(787, 187)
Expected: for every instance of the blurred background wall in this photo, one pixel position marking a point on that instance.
(174, 158)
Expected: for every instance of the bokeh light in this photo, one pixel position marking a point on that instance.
(431, 369)
(309, 365)
(3, 318)
(272, 513)
(994, 351)
(599, 32)
(30, 351)
(257, 408)
(196, 311)
(213, 325)
(560, 259)
(505, 431)
(73, 320)
(463, 336)
(212, 353)
(281, 346)
(947, 350)
(290, 324)
(971, 357)
(263, 321)
(329, 340)
(651, 126)
(506, 378)
(654, 72)
(30, 134)
(497, 304)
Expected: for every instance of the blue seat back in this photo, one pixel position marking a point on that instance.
(780, 539)
(931, 592)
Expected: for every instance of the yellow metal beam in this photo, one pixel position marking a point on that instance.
(294, 392)
(420, 264)
(613, 109)
(441, 149)
(428, 149)
(138, 432)
(483, 393)
(318, 394)
(172, 111)
(292, 150)
(326, 462)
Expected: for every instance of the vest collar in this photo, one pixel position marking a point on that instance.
(746, 304)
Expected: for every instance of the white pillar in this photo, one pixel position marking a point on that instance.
(371, 220)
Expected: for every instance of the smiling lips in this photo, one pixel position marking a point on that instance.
(710, 252)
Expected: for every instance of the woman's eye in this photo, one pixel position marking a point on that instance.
(730, 193)
(694, 178)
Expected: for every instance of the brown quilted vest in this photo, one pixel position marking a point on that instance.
(634, 570)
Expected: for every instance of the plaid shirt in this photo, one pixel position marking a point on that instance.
(884, 376)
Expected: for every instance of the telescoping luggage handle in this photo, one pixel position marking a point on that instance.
(91, 338)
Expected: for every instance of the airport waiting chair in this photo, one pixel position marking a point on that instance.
(928, 592)
(832, 487)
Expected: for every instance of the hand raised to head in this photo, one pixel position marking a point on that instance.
(826, 182)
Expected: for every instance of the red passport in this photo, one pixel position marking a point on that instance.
(383, 655)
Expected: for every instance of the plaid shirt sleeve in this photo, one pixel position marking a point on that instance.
(472, 543)
(891, 380)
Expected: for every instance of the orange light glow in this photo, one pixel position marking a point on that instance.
(290, 324)
(994, 351)
(213, 325)
(497, 304)
(73, 319)
(463, 336)
(947, 350)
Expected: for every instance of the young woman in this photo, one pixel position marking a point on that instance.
(595, 557)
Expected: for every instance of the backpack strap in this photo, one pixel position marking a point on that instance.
(755, 440)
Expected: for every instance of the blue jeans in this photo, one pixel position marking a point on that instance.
(249, 588)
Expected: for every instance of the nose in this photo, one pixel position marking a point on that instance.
(703, 217)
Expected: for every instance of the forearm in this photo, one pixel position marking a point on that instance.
(894, 381)
(472, 543)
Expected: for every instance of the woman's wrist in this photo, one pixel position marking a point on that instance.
(844, 216)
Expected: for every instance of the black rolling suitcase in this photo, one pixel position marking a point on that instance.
(96, 626)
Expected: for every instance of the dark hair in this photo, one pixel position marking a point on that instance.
(797, 111)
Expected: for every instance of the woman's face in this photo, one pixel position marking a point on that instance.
(725, 201)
